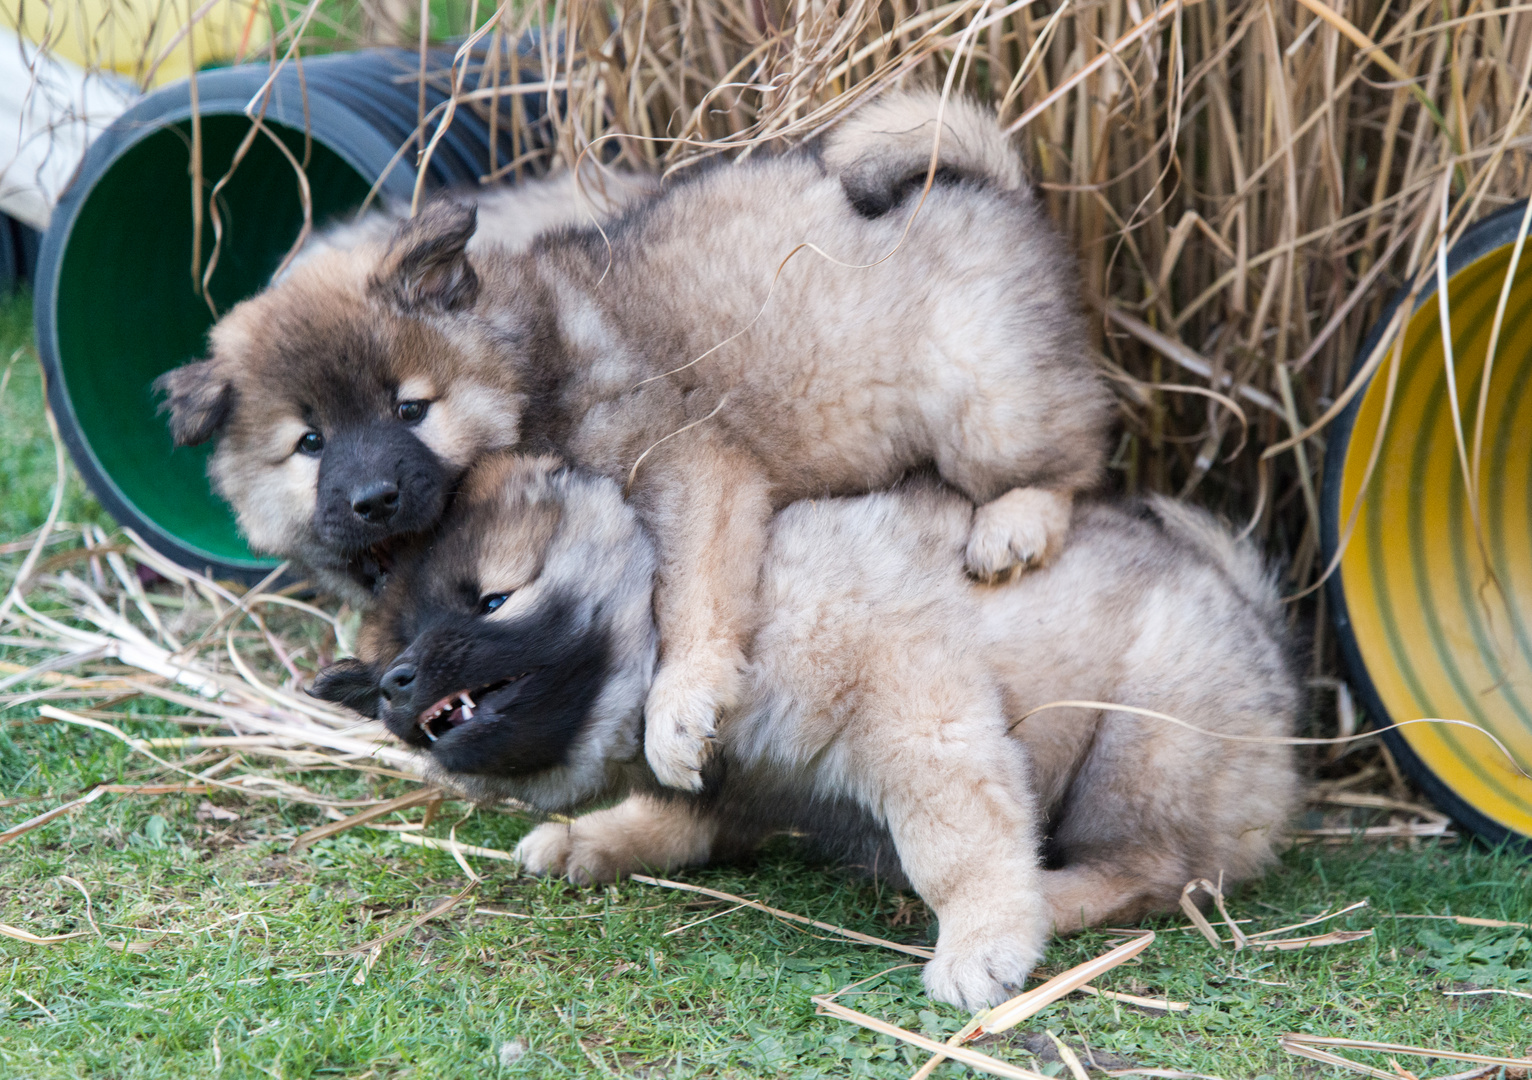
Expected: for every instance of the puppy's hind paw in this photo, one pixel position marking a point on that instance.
(1025, 527)
(680, 718)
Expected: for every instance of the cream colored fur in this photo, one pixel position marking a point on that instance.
(745, 339)
(883, 711)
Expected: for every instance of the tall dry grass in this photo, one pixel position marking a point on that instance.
(1247, 182)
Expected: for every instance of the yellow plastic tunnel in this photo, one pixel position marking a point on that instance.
(1432, 601)
(144, 41)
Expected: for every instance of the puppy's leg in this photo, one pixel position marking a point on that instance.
(1153, 807)
(955, 795)
(1097, 894)
(638, 834)
(708, 505)
(1024, 527)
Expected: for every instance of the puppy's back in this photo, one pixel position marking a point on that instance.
(1153, 605)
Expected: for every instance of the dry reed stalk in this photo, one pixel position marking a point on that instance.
(1067, 1055)
(827, 1005)
(1469, 920)
(788, 916)
(403, 802)
(1259, 942)
(1312, 1047)
(200, 655)
(1401, 830)
(16, 934)
(1005, 1016)
(1072, 980)
(1334, 937)
(1199, 920)
(1427, 823)
(1347, 910)
(1276, 740)
(1246, 181)
(91, 796)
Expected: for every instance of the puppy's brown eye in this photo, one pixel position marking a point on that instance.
(311, 443)
(492, 602)
(411, 412)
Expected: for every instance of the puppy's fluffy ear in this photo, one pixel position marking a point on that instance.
(198, 399)
(426, 266)
(349, 683)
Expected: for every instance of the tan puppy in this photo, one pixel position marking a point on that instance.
(883, 703)
(680, 355)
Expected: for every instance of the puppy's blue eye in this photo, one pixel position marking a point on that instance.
(411, 412)
(492, 602)
(311, 443)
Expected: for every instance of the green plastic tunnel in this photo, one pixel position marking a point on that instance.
(117, 299)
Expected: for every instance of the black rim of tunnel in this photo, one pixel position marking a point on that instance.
(1480, 239)
(347, 133)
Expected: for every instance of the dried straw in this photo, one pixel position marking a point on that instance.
(1246, 181)
(1312, 1047)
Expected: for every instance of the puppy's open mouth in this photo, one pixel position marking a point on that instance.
(459, 708)
(382, 555)
(372, 565)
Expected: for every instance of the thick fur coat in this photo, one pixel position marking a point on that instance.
(783, 328)
(887, 708)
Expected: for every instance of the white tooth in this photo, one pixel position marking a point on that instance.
(428, 732)
(467, 700)
(467, 712)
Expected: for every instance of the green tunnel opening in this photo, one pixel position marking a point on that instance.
(128, 308)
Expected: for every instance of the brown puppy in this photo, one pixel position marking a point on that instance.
(303, 368)
(681, 355)
(883, 702)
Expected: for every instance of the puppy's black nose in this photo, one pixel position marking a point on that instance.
(376, 502)
(397, 681)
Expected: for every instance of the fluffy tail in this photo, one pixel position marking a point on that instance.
(1251, 575)
(882, 151)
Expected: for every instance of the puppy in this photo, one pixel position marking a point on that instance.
(887, 709)
(684, 354)
(290, 379)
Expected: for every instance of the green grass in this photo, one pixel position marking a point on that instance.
(27, 467)
(240, 977)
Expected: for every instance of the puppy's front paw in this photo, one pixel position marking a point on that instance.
(982, 971)
(545, 850)
(1024, 527)
(680, 718)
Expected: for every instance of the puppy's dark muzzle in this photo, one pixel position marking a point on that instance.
(495, 698)
(378, 481)
(400, 700)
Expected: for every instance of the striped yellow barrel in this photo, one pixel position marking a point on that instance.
(142, 40)
(1434, 609)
